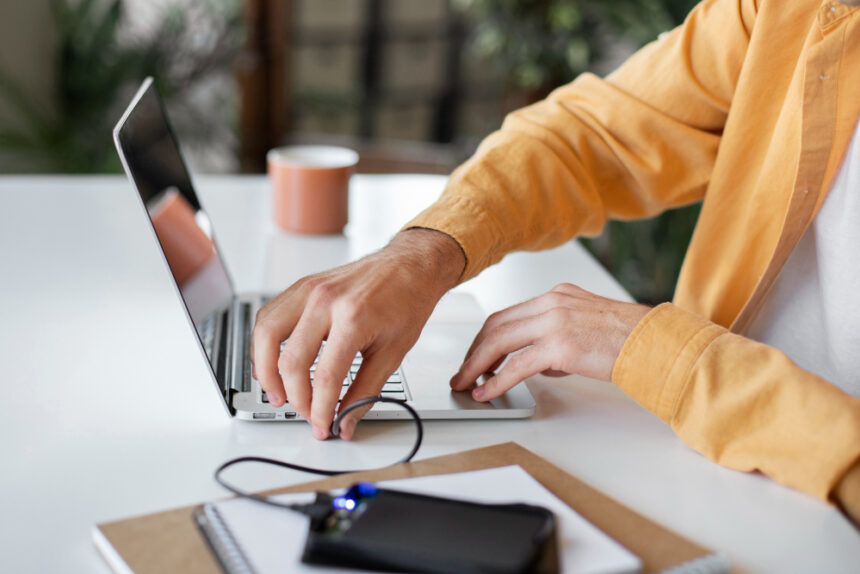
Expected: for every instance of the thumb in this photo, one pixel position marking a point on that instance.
(371, 376)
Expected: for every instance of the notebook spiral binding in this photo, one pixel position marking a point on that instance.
(221, 540)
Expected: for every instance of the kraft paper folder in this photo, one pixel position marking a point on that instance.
(170, 542)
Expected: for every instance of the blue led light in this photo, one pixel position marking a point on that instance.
(365, 489)
(361, 490)
(344, 503)
(350, 499)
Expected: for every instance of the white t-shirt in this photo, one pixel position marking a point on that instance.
(812, 312)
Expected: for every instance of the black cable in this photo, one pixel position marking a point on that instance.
(315, 507)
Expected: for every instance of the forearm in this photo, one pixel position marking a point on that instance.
(563, 167)
(743, 404)
(624, 147)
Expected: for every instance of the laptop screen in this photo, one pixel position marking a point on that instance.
(183, 229)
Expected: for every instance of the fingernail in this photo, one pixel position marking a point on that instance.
(347, 429)
(274, 400)
(478, 393)
(319, 433)
(453, 380)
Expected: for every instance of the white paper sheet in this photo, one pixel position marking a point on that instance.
(273, 539)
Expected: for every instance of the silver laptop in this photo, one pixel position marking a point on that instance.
(222, 320)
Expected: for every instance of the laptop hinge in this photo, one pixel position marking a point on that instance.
(222, 368)
(239, 365)
(244, 379)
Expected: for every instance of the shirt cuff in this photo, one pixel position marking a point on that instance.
(655, 361)
(468, 224)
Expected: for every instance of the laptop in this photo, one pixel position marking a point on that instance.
(222, 320)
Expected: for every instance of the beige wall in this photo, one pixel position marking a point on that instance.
(27, 54)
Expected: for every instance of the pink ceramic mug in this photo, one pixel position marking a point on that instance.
(310, 187)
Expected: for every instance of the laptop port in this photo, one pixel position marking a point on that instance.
(258, 416)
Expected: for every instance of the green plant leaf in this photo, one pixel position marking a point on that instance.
(578, 54)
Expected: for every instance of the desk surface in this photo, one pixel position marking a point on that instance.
(107, 411)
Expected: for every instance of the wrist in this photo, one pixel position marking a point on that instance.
(434, 254)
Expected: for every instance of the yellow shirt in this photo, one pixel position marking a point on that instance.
(750, 106)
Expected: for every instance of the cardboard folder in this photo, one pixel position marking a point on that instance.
(170, 542)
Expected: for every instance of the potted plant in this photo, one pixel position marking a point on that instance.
(99, 64)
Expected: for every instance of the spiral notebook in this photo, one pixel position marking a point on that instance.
(170, 541)
(249, 537)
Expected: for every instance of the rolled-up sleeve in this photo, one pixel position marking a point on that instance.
(741, 403)
(628, 146)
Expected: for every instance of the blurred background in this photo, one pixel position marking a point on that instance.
(413, 85)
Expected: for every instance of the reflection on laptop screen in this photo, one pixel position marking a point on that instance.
(183, 228)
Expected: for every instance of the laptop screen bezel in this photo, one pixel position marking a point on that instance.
(146, 86)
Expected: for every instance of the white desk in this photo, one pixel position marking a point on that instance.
(93, 346)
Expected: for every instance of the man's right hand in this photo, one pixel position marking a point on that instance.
(377, 305)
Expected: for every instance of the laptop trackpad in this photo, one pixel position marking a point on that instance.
(447, 336)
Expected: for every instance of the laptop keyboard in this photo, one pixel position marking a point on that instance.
(394, 387)
(207, 333)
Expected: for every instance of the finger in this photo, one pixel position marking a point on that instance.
(269, 333)
(497, 344)
(527, 308)
(519, 367)
(463, 386)
(331, 370)
(276, 310)
(374, 371)
(298, 355)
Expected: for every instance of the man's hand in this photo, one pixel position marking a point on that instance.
(376, 305)
(567, 330)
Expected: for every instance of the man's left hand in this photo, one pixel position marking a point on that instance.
(565, 331)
